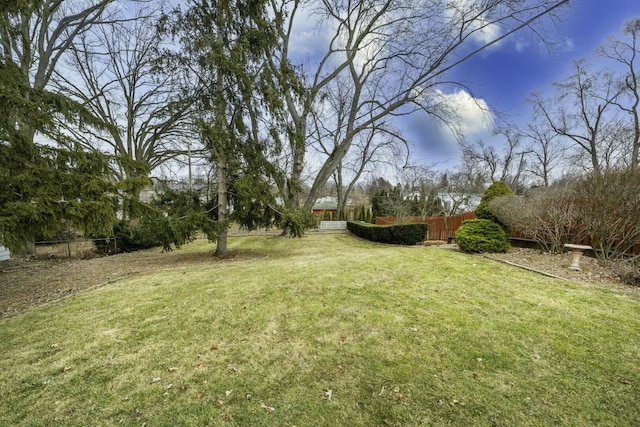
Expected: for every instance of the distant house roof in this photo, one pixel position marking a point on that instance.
(325, 206)
(329, 203)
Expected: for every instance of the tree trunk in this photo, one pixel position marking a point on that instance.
(635, 150)
(294, 183)
(341, 202)
(223, 202)
(323, 175)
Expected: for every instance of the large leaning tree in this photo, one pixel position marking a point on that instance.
(380, 146)
(391, 57)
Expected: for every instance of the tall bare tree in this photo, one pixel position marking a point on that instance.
(379, 146)
(546, 151)
(461, 189)
(508, 166)
(626, 53)
(393, 55)
(116, 74)
(583, 108)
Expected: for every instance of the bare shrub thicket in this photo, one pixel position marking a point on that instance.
(609, 207)
(549, 217)
(602, 207)
(627, 268)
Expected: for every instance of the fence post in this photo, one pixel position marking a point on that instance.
(446, 228)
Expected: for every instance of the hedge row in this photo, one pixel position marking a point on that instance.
(399, 234)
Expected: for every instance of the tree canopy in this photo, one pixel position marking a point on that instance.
(255, 109)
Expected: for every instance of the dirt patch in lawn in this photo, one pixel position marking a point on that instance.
(36, 281)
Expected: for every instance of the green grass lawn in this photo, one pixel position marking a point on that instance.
(327, 331)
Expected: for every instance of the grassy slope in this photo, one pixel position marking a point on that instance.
(400, 335)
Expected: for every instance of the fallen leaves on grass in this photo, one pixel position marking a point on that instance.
(268, 409)
(166, 393)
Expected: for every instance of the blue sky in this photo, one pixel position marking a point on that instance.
(506, 75)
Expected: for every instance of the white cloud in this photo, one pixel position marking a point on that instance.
(312, 35)
(487, 32)
(474, 116)
(309, 37)
(472, 119)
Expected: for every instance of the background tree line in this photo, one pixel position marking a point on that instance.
(138, 85)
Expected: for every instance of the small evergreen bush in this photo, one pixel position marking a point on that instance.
(497, 189)
(481, 235)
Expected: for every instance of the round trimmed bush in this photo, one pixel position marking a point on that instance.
(481, 235)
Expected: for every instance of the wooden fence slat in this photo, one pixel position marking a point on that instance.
(440, 227)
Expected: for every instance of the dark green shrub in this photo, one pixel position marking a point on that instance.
(399, 234)
(172, 219)
(129, 238)
(481, 235)
(297, 221)
(497, 189)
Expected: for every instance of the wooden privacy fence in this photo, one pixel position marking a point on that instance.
(440, 227)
